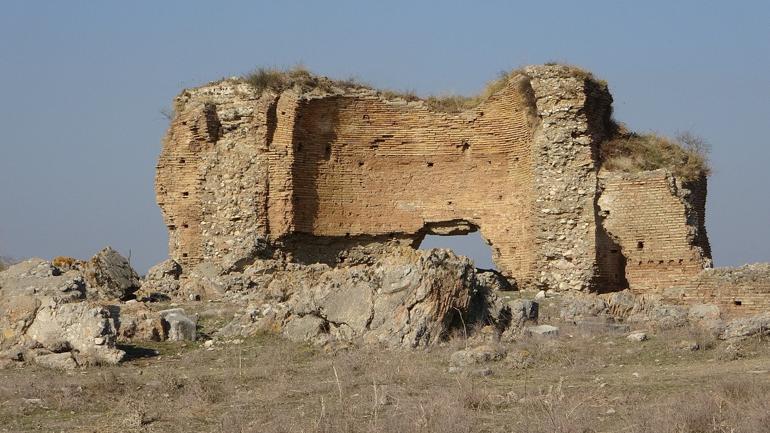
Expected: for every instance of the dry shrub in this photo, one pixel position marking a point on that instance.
(297, 77)
(458, 103)
(407, 95)
(732, 406)
(686, 156)
(552, 411)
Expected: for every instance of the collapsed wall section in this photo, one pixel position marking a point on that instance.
(738, 291)
(658, 224)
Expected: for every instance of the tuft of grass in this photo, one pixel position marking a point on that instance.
(458, 103)
(686, 156)
(298, 78)
(302, 80)
(579, 72)
(408, 95)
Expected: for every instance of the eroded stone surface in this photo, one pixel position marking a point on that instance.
(110, 276)
(407, 298)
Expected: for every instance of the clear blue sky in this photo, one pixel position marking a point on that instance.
(82, 85)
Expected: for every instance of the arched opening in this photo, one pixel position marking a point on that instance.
(461, 237)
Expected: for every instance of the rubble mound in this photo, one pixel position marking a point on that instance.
(408, 298)
(50, 314)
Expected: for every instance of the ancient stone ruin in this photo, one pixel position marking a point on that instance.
(296, 204)
(314, 173)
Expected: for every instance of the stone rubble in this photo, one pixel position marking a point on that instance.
(408, 298)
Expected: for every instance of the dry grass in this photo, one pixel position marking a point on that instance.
(302, 80)
(686, 156)
(580, 382)
(458, 103)
(298, 78)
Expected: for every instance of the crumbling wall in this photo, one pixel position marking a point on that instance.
(211, 182)
(574, 114)
(314, 174)
(366, 166)
(658, 224)
(739, 291)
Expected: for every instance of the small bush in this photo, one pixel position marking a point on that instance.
(686, 156)
(298, 77)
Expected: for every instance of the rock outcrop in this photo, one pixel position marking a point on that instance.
(56, 315)
(407, 298)
(111, 276)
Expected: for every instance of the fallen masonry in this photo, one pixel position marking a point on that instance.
(73, 314)
(399, 298)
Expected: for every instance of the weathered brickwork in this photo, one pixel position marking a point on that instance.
(738, 291)
(659, 229)
(336, 176)
(238, 166)
(364, 166)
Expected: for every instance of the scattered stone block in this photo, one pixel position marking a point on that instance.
(542, 331)
(178, 326)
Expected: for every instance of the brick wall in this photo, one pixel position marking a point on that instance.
(365, 166)
(651, 217)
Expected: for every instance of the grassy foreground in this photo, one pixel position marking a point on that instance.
(578, 382)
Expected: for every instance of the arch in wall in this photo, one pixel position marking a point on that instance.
(462, 237)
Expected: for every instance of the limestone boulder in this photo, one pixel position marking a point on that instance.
(163, 279)
(542, 331)
(637, 336)
(136, 322)
(178, 326)
(580, 306)
(57, 361)
(523, 310)
(409, 299)
(495, 281)
(16, 315)
(703, 312)
(476, 355)
(110, 276)
(88, 331)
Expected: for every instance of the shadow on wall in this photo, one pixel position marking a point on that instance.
(471, 245)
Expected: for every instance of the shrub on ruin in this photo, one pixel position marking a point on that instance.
(297, 77)
(686, 156)
(457, 103)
